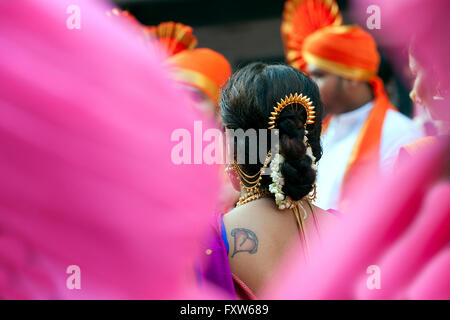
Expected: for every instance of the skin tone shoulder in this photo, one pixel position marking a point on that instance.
(259, 234)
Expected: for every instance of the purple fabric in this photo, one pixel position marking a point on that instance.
(214, 265)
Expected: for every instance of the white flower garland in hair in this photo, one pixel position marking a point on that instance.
(278, 182)
(282, 201)
(309, 150)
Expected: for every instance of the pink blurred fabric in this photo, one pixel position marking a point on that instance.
(86, 177)
(424, 23)
(435, 273)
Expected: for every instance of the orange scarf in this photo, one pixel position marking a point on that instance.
(366, 151)
(351, 52)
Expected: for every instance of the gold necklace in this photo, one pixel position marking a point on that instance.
(251, 196)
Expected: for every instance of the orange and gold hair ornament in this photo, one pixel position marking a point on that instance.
(296, 100)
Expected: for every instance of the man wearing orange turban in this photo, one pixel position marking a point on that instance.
(202, 71)
(363, 131)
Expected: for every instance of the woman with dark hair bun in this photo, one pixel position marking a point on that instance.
(247, 102)
(274, 211)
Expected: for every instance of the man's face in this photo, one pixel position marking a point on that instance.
(330, 87)
(425, 91)
(420, 92)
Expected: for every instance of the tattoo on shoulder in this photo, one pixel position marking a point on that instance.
(245, 240)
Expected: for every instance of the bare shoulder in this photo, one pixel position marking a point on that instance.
(258, 235)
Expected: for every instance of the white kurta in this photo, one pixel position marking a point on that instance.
(339, 140)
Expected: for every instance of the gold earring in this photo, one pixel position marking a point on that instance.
(313, 196)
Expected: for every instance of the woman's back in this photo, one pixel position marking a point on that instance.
(259, 236)
(273, 211)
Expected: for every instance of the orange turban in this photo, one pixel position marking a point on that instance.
(174, 37)
(347, 51)
(205, 69)
(301, 18)
(312, 33)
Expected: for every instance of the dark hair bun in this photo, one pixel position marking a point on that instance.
(299, 176)
(247, 101)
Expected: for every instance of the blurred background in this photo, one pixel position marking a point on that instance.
(249, 30)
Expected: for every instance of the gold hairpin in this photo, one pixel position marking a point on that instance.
(294, 99)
